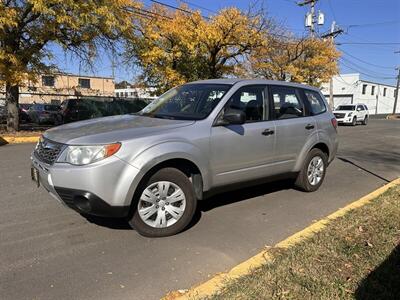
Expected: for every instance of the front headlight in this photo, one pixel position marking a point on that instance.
(84, 155)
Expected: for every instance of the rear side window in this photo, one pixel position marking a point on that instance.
(287, 103)
(317, 104)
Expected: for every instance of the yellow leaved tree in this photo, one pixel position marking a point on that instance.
(305, 60)
(174, 47)
(28, 27)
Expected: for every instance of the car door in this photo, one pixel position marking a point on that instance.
(243, 152)
(360, 112)
(293, 125)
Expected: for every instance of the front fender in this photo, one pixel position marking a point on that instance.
(158, 153)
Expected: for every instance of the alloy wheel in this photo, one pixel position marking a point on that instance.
(315, 170)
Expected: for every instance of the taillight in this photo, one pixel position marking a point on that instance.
(334, 123)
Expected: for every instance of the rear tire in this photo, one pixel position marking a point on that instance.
(156, 211)
(354, 122)
(304, 180)
(365, 121)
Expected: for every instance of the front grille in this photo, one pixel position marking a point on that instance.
(339, 116)
(48, 151)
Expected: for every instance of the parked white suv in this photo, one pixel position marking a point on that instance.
(351, 114)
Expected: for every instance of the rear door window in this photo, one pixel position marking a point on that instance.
(286, 102)
(317, 104)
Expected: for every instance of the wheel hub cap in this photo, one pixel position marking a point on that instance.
(315, 170)
(161, 204)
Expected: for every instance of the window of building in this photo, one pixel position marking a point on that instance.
(84, 83)
(126, 94)
(48, 80)
(372, 90)
(117, 94)
(384, 92)
(364, 89)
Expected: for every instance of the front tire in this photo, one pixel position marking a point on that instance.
(313, 171)
(354, 122)
(165, 204)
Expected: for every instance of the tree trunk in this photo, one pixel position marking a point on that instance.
(12, 96)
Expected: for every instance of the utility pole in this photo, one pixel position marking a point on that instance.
(335, 31)
(311, 18)
(113, 63)
(397, 88)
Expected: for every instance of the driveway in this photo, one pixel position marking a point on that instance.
(50, 252)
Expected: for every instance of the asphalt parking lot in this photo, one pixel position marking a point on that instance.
(50, 252)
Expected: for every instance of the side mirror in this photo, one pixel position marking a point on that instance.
(234, 116)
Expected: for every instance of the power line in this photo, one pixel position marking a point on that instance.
(177, 8)
(199, 6)
(366, 69)
(368, 43)
(365, 62)
(331, 8)
(146, 13)
(373, 24)
(366, 74)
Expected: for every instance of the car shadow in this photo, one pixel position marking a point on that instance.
(217, 200)
(238, 195)
(112, 223)
(245, 193)
(384, 281)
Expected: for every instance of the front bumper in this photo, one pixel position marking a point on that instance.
(89, 203)
(104, 188)
(345, 120)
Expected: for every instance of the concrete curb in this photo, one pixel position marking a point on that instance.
(18, 139)
(215, 284)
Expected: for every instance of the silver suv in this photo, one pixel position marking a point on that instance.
(153, 166)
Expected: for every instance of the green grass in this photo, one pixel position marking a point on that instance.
(354, 257)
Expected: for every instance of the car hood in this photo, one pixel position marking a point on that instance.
(342, 111)
(110, 129)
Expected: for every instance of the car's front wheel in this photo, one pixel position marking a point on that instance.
(165, 204)
(313, 171)
(354, 122)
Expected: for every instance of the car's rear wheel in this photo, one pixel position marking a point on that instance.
(354, 122)
(165, 204)
(313, 171)
(365, 121)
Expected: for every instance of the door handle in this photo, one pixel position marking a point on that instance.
(268, 132)
(309, 126)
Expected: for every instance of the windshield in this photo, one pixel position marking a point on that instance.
(186, 102)
(346, 107)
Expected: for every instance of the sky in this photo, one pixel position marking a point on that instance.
(371, 35)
